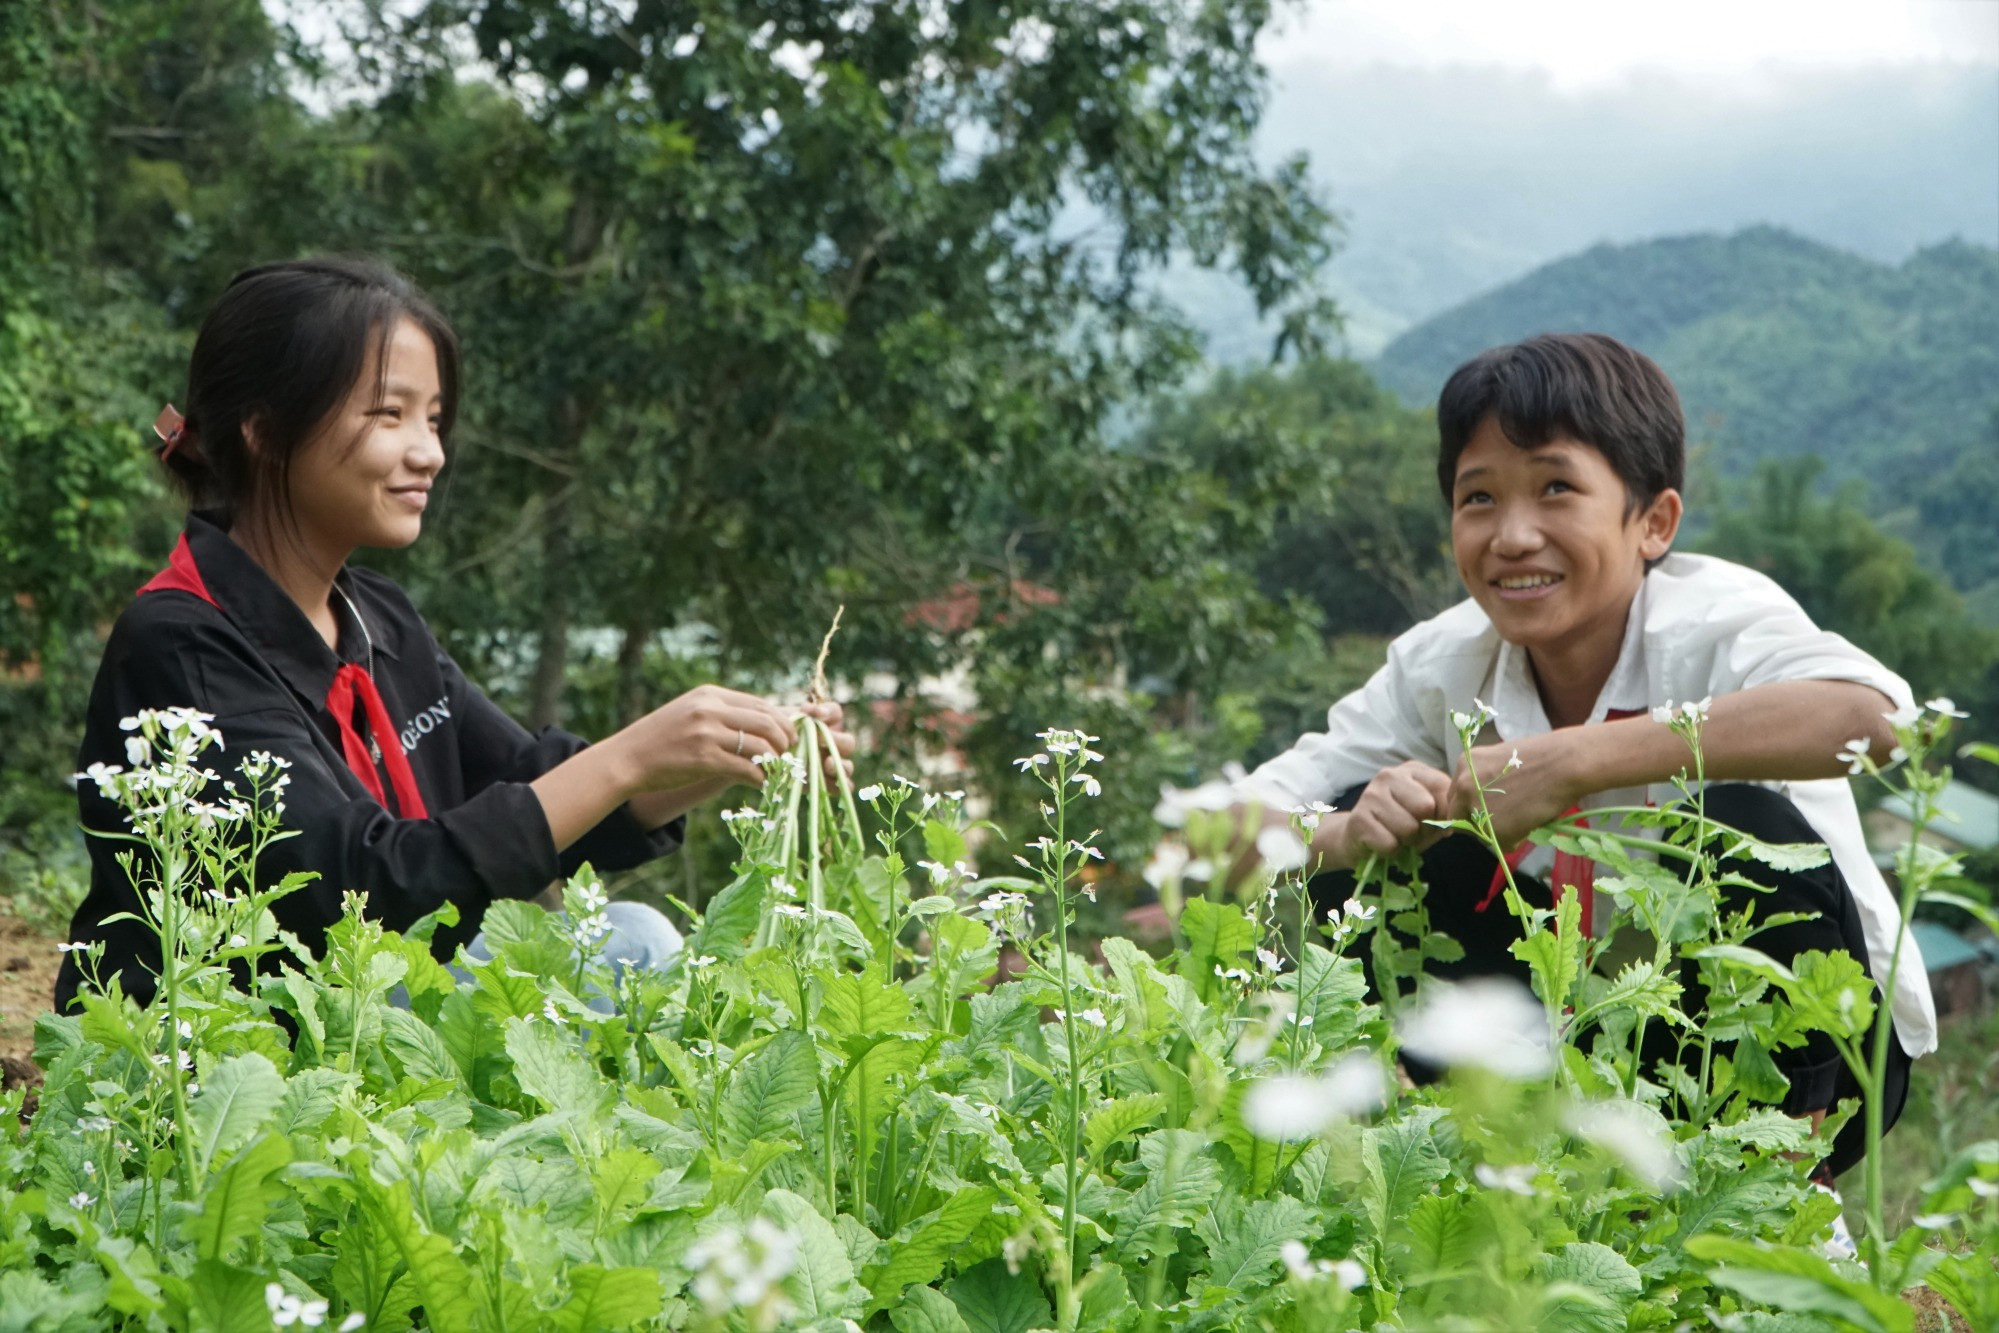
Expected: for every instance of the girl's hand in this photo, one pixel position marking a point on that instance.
(708, 736)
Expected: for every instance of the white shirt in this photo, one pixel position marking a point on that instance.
(1699, 626)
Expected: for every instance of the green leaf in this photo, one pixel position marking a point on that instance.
(927, 1310)
(918, 1253)
(1401, 1162)
(1444, 1234)
(1766, 1128)
(1590, 1289)
(992, 1300)
(1555, 957)
(821, 1283)
(1105, 1299)
(1757, 1074)
(731, 916)
(606, 1298)
(864, 1005)
(449, 1290)
(1218, 935)
(1786, 856)
(235, 1200)
(1801, 1282)
(1245, 1255)
(1181, 1179)
(554, 1073)
(416, 1046)
(944, 843)
(227, 1300)
(238, 1097)
(770, 1087)
(1120, 1120)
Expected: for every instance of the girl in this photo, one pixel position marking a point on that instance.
(320, 397)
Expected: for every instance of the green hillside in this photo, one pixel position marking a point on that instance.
(1779, 345)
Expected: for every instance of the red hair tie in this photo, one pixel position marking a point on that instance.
(171, 427)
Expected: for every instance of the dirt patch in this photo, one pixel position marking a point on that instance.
(28, 963)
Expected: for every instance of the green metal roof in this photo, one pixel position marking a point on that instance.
(1943, 948)
(1965, 814)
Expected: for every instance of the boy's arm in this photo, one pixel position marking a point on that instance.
(1787, 730)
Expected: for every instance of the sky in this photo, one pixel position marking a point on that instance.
(1582, 43)
(1465, 143)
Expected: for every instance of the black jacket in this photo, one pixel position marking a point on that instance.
(445, 816)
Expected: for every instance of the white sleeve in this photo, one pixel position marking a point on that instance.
(1762, 639)
(1376, 727)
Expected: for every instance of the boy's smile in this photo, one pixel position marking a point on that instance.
(1550, 547)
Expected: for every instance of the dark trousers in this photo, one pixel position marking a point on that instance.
(1459, 872)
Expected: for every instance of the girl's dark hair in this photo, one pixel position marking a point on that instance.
(1588, 387)
(283, 347)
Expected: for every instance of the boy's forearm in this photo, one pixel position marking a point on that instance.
(1784, 731)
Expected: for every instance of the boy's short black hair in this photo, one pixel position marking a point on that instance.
(1588, 387)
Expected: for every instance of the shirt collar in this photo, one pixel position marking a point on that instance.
(270, 619)
(1515, 699)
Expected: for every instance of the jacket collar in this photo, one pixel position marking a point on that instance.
(271, 620)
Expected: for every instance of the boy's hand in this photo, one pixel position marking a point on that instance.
(1390, 813)
(1526, 784)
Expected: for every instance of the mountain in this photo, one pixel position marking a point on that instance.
(1779, 345)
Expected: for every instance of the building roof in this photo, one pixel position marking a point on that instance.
(1943, 948)
(1965, 815)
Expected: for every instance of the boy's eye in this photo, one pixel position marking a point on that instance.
(1473, 497)
(1556, 487)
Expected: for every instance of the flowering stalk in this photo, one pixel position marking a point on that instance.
(1060, 765)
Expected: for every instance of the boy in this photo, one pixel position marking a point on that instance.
(1562, 458)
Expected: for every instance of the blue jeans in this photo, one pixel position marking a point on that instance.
(640, 936)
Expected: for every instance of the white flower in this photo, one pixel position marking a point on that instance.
(1943, 706)
(287, 1310)
(1289, 1106)
(1083, 850)
(90, 1168)
(1281, 850)
(1493, 1023)
(1169, 859)
(1936, 1221)
(1514, 1179)
(1293, 1106)
(791, 910)
(1029, 762)
(1663, 714)
(352, 1322)
(1233, 974)
(238, 942)
(743, 1269)
(871, 792)
(1090, 786)
(80, 1200)
(1513, 764)
(138, 751)
(1696, 711)
(1348, 1273)
(1094, 1017)
(551, 1013)
(71, 948)
(1301, 1266)
(1984, 1189)
(1270, 960)
(1295, 1258)
(1175, 803)
(704, 960)
(1354, 910)
(1854, 756)
(1634, 1133)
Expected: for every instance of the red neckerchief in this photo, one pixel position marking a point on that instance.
(352, 680)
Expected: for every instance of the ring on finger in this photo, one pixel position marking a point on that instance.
(740, 738)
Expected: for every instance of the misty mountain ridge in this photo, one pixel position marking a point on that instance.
(1779, 345)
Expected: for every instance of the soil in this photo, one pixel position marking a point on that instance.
(28, 963)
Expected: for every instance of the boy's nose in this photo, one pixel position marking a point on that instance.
(1516, 535)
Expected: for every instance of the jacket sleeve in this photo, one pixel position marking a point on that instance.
(495, 750)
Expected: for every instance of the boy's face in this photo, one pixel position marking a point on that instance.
(1543, 541)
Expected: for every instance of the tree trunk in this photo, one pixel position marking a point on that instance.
(551, 664)
(631, 679)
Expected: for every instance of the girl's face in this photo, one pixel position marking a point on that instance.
(365, 479)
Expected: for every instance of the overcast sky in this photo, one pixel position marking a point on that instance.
(1580, 43)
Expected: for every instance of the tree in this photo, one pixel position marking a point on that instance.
(1854, 578)
(789, 304)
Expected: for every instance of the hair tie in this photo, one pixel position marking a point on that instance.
(171, 427)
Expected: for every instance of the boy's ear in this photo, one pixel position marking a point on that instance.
(1659, 524)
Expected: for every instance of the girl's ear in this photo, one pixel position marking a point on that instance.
(1659, 524)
